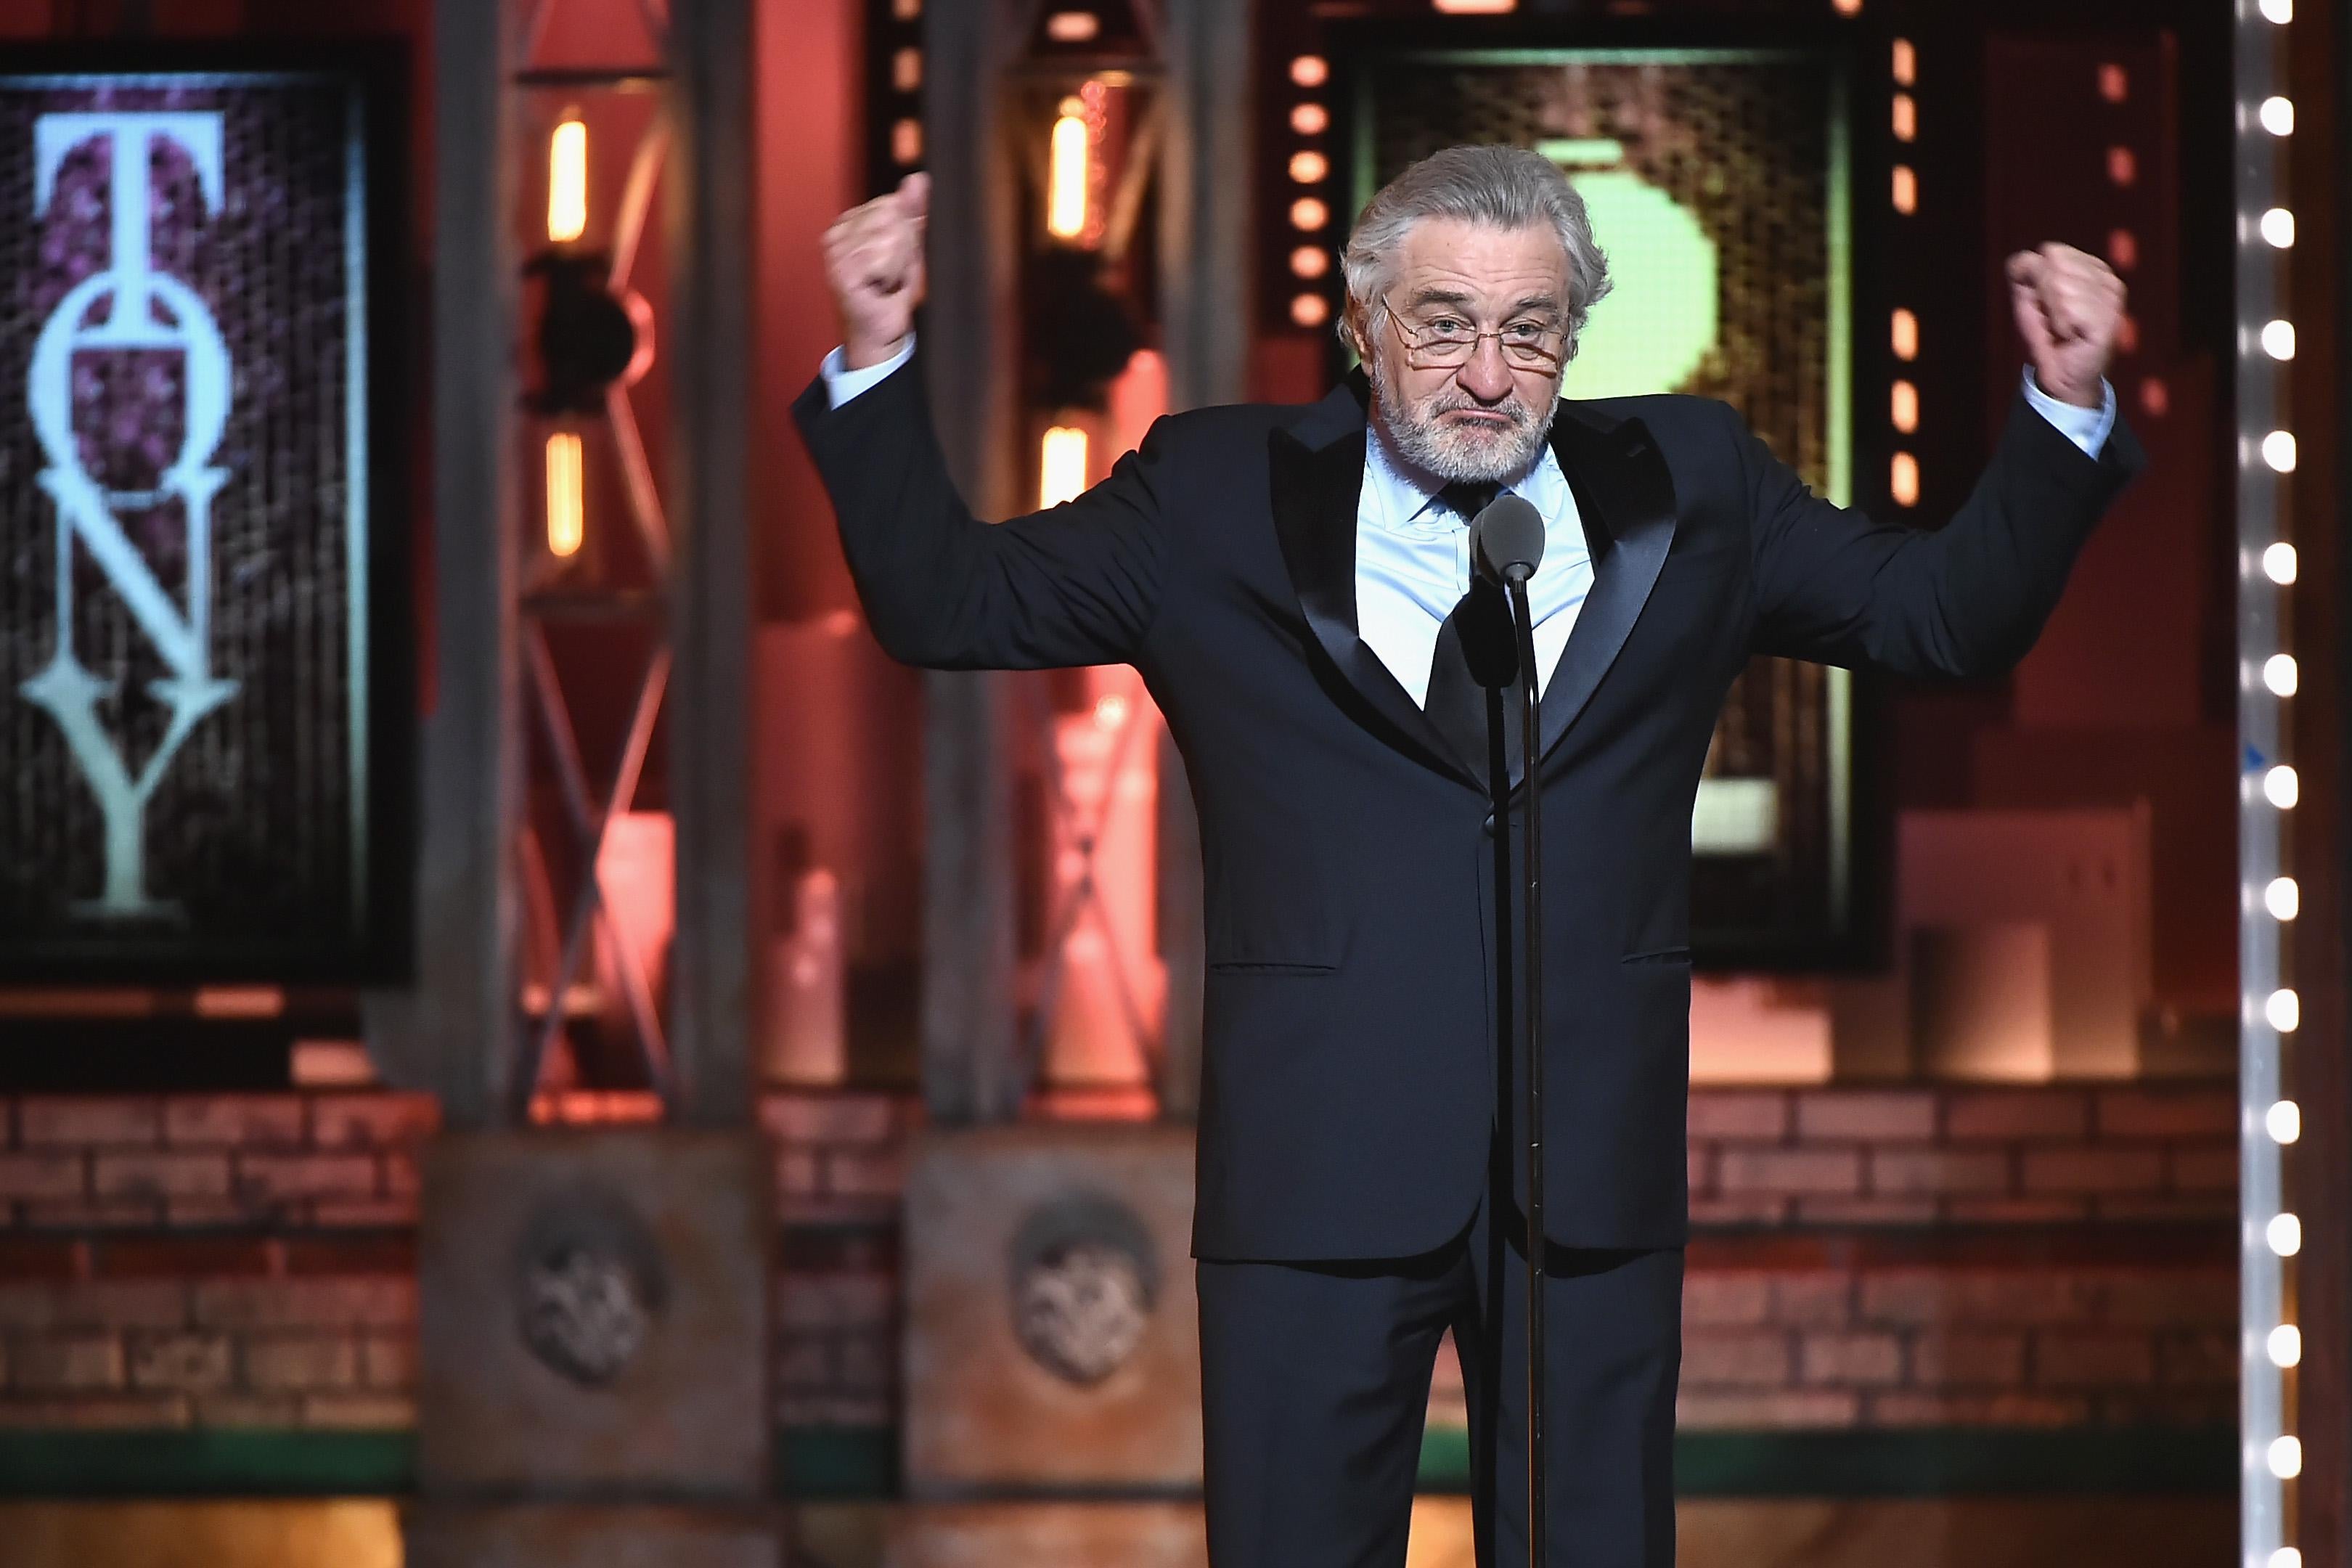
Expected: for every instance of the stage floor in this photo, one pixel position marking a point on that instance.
(1958, 1532)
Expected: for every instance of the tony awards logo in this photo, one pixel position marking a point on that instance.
(130, 306)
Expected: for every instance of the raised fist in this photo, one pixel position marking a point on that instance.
(874, 264)
(2069, 306)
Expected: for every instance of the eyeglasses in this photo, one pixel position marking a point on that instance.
(1447, 340)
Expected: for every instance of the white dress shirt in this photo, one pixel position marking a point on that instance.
(1412, 565)
(1412, 551)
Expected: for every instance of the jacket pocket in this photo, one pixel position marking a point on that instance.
(1269, 966)
(1269, 908)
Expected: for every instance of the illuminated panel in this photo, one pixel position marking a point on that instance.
(189, 697)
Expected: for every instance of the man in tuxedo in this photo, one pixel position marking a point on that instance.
(1286, 581)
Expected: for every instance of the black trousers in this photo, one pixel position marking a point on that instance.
(1315, 1383)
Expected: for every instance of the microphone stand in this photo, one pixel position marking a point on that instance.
(1531, 1023)
(1506, 540)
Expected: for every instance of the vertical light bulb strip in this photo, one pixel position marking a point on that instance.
(2265, 802)
(567, 181)
(1903, 468)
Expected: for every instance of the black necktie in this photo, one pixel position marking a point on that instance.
(1477, 650)
(1470, 497)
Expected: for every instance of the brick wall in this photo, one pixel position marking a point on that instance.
(1933, 1256)
(2017, 1330)
(233, 1261)
(840, 1166)
(1978, 1156)
(1861, 1258)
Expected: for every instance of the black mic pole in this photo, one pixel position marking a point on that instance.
(1531, 1021)
(1507, 545)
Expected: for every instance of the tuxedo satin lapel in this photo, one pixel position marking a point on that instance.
(1625, 499)
(1315, 490)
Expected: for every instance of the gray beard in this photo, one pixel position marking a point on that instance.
(1416, 435)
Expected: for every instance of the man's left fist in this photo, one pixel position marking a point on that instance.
(2069, 307)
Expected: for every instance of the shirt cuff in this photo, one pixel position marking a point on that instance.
(842, 383)
(2086, 428)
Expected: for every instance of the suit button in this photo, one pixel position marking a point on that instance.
(1488, 827)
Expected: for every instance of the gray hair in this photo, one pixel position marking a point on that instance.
(1498, 187)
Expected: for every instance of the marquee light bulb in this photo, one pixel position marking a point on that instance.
(2278, 227)
(2279, 564)
(2281, 787)
(2283, 1121)
(1906, 406)
(2278, 451)
(1903, 480)
(2278, 338)
(2283, 897)
(2286, 1457)
(2284, 1011)
(2284, 1233)
(2277, 115)
(2278, 12)
(2285, 1345)
(2279, 674)
(2285, 1557)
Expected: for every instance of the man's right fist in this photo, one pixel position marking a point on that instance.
(874, 264)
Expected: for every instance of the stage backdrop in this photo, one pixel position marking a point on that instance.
(1717, 181)
(202, 700)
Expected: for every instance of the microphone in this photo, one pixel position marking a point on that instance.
(1506, 540)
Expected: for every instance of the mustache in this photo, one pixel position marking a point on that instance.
(1446, 403)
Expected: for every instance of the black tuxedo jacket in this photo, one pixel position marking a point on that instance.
(1349, 1094)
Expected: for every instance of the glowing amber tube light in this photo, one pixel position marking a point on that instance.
(567, 508)
(567, 182)
(1065, 182)
(1062, 465)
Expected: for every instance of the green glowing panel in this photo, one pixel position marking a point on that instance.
(1659, 320)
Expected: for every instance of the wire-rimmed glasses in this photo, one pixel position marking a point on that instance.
(1447, 340)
